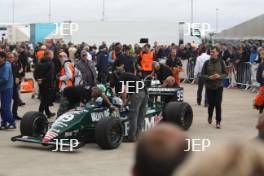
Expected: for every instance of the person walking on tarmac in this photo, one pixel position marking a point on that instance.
(213, 73)
(197, 75)
(43, 74)
(137, 105)
(146, 57)
(66, 76)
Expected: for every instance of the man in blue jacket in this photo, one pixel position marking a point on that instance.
(6, 92)
(102, 64)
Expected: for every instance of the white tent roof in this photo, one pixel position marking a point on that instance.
(251, 29)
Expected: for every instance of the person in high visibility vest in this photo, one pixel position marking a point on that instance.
(146, 57)
(66, 77)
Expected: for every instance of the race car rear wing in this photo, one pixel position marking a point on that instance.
(163, 91)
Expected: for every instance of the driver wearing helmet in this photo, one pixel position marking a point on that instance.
(101, 99)
(77, 96)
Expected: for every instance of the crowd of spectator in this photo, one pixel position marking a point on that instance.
(160, 151)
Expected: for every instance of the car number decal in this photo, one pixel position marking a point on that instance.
(180, 95)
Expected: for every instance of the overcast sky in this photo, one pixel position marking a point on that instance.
(231, 12)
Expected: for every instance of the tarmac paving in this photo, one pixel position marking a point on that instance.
(22, 159)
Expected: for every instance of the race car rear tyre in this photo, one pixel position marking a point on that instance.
(109, 133)
(34, 124)
(179, 113)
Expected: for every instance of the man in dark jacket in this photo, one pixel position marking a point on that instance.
(17, 79)
(213, 73)
(44, 74)
(23, 58)
(126, 60)
(102, 64)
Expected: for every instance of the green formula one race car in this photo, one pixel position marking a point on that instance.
(107, 128)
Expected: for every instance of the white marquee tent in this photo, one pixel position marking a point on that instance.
(250, 30)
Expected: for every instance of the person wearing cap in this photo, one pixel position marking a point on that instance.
(102, 64)
(87, 69)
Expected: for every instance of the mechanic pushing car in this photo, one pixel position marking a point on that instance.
(78, 96)
(137, 104)
(161, 71)
(170, 82)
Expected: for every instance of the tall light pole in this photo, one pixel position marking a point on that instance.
(191, 17)
(103, 11)
(49, 11)
(13, 11)
(216, 19)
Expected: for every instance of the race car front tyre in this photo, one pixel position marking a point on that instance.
(179, 113)
(109, 133)
(34, 124)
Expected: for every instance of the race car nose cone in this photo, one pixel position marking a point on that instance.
(49, 136)
(45, 140)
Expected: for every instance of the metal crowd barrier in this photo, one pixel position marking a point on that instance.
(242, 75)
(188, 72)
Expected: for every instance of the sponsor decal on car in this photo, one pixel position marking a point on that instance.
(157, 89)
(150, 122)
(96, 116)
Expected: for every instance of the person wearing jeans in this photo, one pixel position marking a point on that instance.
(6, 92)
(136, 115)
(137, 106)
(213, 73)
